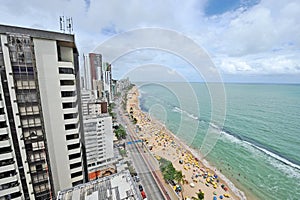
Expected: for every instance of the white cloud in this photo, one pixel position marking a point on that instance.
(240, 41)
(276, 63)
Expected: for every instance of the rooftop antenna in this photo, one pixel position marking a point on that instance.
(62, 23)
(69, 24)
(66, 24)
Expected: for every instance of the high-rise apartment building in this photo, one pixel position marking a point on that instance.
(40, 111)
(98, 134)
(98, 143)
(93, 71)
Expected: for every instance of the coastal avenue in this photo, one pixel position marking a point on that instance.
(147, 181)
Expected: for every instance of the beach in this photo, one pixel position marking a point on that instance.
(162, 143)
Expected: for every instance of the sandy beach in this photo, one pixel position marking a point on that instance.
(198, 174)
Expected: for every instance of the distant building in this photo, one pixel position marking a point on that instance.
(107, 90)
(99, 144)
(40, 131)
(121, 85)
(117, 186)
(93, 71)
(98, 135)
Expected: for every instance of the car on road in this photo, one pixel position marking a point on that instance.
(143, 195)
(137, 178)
(141, 188)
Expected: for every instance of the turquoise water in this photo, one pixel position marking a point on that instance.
(259, 145)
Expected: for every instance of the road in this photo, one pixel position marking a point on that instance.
(147, 180)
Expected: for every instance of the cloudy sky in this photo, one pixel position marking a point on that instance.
(247, 40)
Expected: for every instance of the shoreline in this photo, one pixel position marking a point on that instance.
(145, 121)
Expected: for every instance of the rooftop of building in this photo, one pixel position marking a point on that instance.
(117, 186)
(37, 33)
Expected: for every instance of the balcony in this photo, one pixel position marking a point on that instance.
(7, 168)
(8, 191)
(9, 179)
(72, 121)
(65, 64)
(69, 99)
(3, 131)
(73, 151)
(66, 76)
(77, 169)
(72, 131)
(17, 198)
(76, 160)
(4, 143)
(74, 141)
(68, 88)
(6, 156)
(2, 118)
(78, 178)
(70, 110)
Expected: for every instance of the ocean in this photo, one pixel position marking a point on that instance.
(258, 146)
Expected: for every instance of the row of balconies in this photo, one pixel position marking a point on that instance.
(7, 168)
(8, 193)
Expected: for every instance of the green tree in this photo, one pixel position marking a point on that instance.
(178, 176)
(120, 132)
(167, 169)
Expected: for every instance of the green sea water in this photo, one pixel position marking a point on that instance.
(259, 145)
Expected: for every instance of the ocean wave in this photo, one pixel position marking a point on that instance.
(178, 110)
(237, 139)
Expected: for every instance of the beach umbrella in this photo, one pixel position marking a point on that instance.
(192, 185)
(221, 196)
(215, 198)
(215, 193)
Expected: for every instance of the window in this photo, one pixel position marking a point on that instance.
(73, 156)
(70, 126)
(77, 183)
(39, 167)
(73, 146)
(63, 70)
(30, 97)
(73, 136)
(5, 150)
(68, 105)
(68, 93)
(67, 82)
(3, 124)
(70, 116)
(76, 174)
(75, 165)
(6, 162)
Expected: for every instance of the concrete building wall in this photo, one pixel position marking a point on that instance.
(14, 109)
(8, 168)
(52, 105)
(109, 136)
(38, 77)
(46, 59)
(98, 141)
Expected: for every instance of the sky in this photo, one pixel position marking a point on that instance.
(246, 40)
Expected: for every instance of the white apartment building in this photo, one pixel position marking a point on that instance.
(40, 129)
(98, 141)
